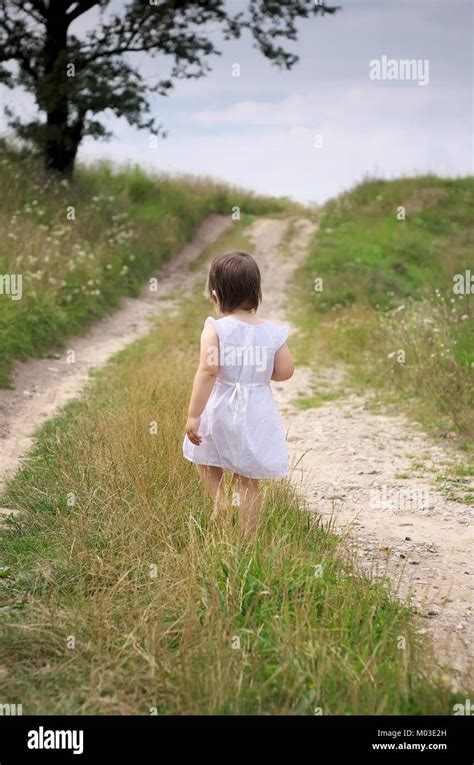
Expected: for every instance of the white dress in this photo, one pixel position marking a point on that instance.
(241, 428)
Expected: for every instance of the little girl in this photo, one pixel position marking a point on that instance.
(233, 422)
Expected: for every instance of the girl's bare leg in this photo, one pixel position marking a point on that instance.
(249, 501)
(213, 480)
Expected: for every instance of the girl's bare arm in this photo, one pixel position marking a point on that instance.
(204, 380)
(283, 366)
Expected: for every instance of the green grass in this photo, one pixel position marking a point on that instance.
(114, 547)
(117, 593)
(317, 399)
(80, 247)
(365, 254)
(387, 309)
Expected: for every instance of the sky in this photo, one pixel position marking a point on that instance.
(317, 130)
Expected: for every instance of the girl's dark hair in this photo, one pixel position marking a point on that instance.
(235, 278)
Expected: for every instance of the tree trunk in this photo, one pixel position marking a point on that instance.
(60, 144)
(60, 159)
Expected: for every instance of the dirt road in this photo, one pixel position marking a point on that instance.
(349, 462)
(42, 386)
(348, 459)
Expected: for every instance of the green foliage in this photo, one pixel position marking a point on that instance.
(387, 307)
(366, 255)
(74, 78)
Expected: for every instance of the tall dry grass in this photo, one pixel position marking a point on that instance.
(121, 596)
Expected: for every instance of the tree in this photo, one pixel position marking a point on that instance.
(74, 79)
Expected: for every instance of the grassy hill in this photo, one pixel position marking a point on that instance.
(377, 293)
(81, 246)
(118, 594)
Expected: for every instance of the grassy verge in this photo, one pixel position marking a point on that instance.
(386, 255)
(80, 247)
(119, 596)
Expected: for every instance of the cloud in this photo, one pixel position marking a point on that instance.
(382, 100)
(258, 130)
(284, 160)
